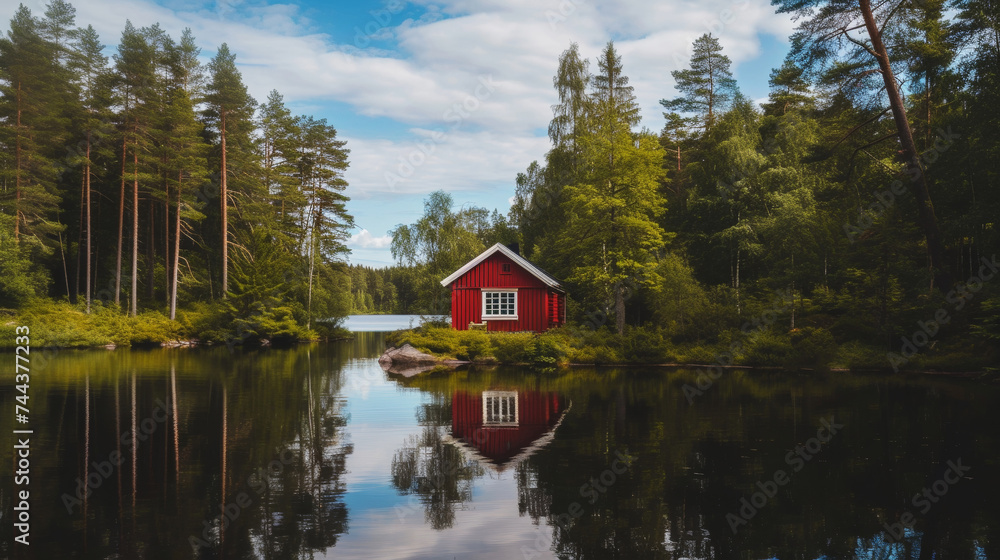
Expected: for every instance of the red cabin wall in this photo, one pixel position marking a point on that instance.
(534, 298)
(538, 413)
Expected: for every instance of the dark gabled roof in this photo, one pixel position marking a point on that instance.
(545, 277)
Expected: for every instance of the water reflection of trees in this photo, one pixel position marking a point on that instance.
(432, 472)
(231, 417)
(694, 462)
(302, 507)
(436, 473)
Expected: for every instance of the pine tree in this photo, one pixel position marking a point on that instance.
(707, 86)
(32, 109)
(188, 72)
(929, 45)
(569, 115)
(280, 145)
(823, 41)
(91, 67)
(137, 85)
(230, 112)
(611, 226)
(186, 170)
(789, 90)
(326, 224)
(57, 27)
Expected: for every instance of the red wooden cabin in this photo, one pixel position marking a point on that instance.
(506, 292)
(502, 428)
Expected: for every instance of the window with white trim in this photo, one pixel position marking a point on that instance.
(500, 407)
(499, 304)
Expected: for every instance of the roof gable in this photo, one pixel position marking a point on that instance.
(518, 259)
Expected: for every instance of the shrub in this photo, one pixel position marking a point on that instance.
(550, 349)
(514, 348)
(594, 355)
(477, 345)
(152, 327)
(858, 355)
(811, 347)
(765, 348)
(646, 345)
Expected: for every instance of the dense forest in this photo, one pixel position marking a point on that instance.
(855, 211)
(154, 185)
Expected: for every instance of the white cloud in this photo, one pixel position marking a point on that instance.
(455, 161)
(365, 240)
(440, 61)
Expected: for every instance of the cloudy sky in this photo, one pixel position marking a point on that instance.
(445, 94)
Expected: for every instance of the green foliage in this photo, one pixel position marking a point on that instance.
(514, 348)
(707, 86)
(764, 347)
(20, 280)
(440, 242)
(478, 346)
(812, 348)
(63, 325)
(682, 239)
(152, 327)
(84, 143)
(987, 325)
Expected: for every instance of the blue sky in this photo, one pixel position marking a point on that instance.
(446, 94)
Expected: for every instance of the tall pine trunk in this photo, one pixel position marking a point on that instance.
(225, 210)
(79, 241)
(177, 250)
(17, 170)
(135, 228)
(166, 237)
(926, 219)
(620, 307)
(121, 225)
(150, 252)
(86, 182)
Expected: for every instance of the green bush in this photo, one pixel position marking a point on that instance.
(698, 354)
(477, 345)
(811, 347)
(646, 346)
(595, 355)
(152, 327)
(514, 348)
(859, 355)
(765, 348)
(550, 349)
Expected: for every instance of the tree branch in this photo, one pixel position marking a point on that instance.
(859, 43)
(855, 129)
(850, 161)
(891, 13)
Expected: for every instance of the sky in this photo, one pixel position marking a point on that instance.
(452, 95)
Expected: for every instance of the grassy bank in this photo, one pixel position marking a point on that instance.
(810, 348)
(64, 325)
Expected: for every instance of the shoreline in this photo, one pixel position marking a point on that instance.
(455, 364)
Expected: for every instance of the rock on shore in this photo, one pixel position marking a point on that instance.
(406, 361)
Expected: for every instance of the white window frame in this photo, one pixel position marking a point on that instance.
(507, 317)
(499, 403)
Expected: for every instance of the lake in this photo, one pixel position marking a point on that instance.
(383, 323)
(314, 452)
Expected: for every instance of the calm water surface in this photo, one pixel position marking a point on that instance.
(384, 323)
(314, 452)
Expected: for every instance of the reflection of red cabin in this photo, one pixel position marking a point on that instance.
(502, 428)
(506, 292)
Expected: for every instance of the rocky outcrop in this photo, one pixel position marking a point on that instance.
(406, 361)
(179, 343)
